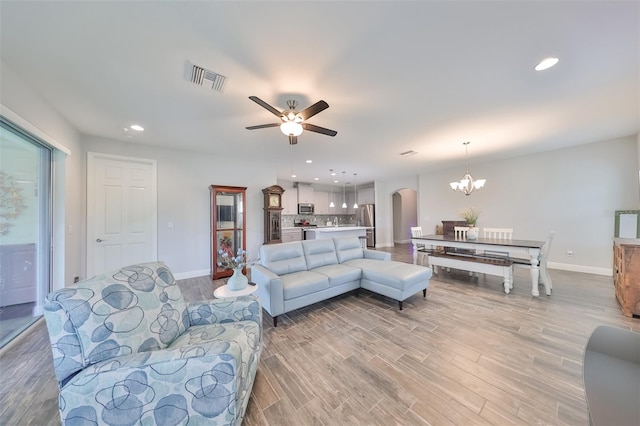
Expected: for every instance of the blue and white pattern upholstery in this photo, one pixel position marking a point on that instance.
(127, 349)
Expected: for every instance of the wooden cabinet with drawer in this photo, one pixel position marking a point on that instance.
(293, 234)
(626, 274)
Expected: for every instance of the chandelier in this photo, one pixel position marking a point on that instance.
(467, 184)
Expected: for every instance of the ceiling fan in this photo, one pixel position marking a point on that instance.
(294, 121)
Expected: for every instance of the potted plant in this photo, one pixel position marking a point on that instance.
(470, 215)
(238, 280)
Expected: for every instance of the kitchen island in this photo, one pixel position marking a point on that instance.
(335, 231)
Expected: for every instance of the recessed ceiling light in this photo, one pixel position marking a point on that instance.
(293, 176)
(309, 161)
(546, 63)
(137, 128)
(316, 178)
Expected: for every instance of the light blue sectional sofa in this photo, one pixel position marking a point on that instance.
(297, 274)
(127, 349)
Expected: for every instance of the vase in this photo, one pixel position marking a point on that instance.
(237, 281)
(472, 233)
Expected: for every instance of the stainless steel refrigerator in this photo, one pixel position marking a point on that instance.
(366, 216)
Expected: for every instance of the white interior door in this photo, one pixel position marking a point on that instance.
(121, 212)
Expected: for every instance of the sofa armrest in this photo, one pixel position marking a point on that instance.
(231, 309)
(376, 255)
(270, 289)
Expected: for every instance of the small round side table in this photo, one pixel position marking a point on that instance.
(223, 291)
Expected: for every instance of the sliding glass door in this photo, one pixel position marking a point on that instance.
(25, 229)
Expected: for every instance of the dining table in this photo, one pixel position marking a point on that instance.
(523, 250)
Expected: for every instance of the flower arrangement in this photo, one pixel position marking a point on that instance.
(470, 215)
(227, 261)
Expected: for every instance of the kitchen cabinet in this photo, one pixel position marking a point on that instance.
(351, 199)
(291, 234)
(305, 193)
(626, 274)
(289, 200)
(366, 196)
(321, 202)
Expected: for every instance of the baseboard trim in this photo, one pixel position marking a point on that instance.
(191, 274)
(608, 272)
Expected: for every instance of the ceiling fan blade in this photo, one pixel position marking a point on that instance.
(293, 140)
(313, 110)
(265, 105)
(318, 129)
(262, 126)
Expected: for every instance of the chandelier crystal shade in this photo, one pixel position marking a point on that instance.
(467, 184)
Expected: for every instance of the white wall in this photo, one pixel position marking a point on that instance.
(404, 214)
(183, 198)
(22, 100)
(384, 206)
(573, 191)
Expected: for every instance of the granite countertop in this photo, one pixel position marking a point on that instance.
(338, 228)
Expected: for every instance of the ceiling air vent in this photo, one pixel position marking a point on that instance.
(207, 78)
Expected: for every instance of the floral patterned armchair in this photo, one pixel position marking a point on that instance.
(127, 349)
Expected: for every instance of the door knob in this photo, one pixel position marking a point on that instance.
(98, 240)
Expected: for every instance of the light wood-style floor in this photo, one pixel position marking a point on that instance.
(467, 354)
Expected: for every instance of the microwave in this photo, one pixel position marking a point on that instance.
(305, 208)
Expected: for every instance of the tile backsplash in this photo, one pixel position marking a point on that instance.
(288, 220)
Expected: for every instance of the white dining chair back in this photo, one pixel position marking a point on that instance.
(499, 233)
(419, 249)
(416, 231)
(460, 232)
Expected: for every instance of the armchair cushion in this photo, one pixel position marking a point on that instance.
(135, 309)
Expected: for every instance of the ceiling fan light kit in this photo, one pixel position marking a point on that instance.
(467, 184)
(293, 121)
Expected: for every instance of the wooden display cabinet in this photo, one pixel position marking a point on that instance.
(626, 274)
(228, 223)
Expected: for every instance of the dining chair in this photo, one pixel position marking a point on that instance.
(544, 255)
(460, 232)
(420, 249)
(497, 233)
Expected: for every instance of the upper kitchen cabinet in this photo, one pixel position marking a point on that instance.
(305, 193)
(289, 200)
(321, 202)
(366, 196)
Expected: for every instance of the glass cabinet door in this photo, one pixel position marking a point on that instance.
(227, 225)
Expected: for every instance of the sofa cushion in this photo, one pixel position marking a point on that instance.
(348, 248)
(339, 274)
(319, 253)
(398, 275)
(284, 258)
(303, 283)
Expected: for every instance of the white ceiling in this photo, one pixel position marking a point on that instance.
(423, 76)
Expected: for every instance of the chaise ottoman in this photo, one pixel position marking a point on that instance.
(396, 280)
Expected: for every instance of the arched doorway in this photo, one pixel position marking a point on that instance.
(405, 214)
